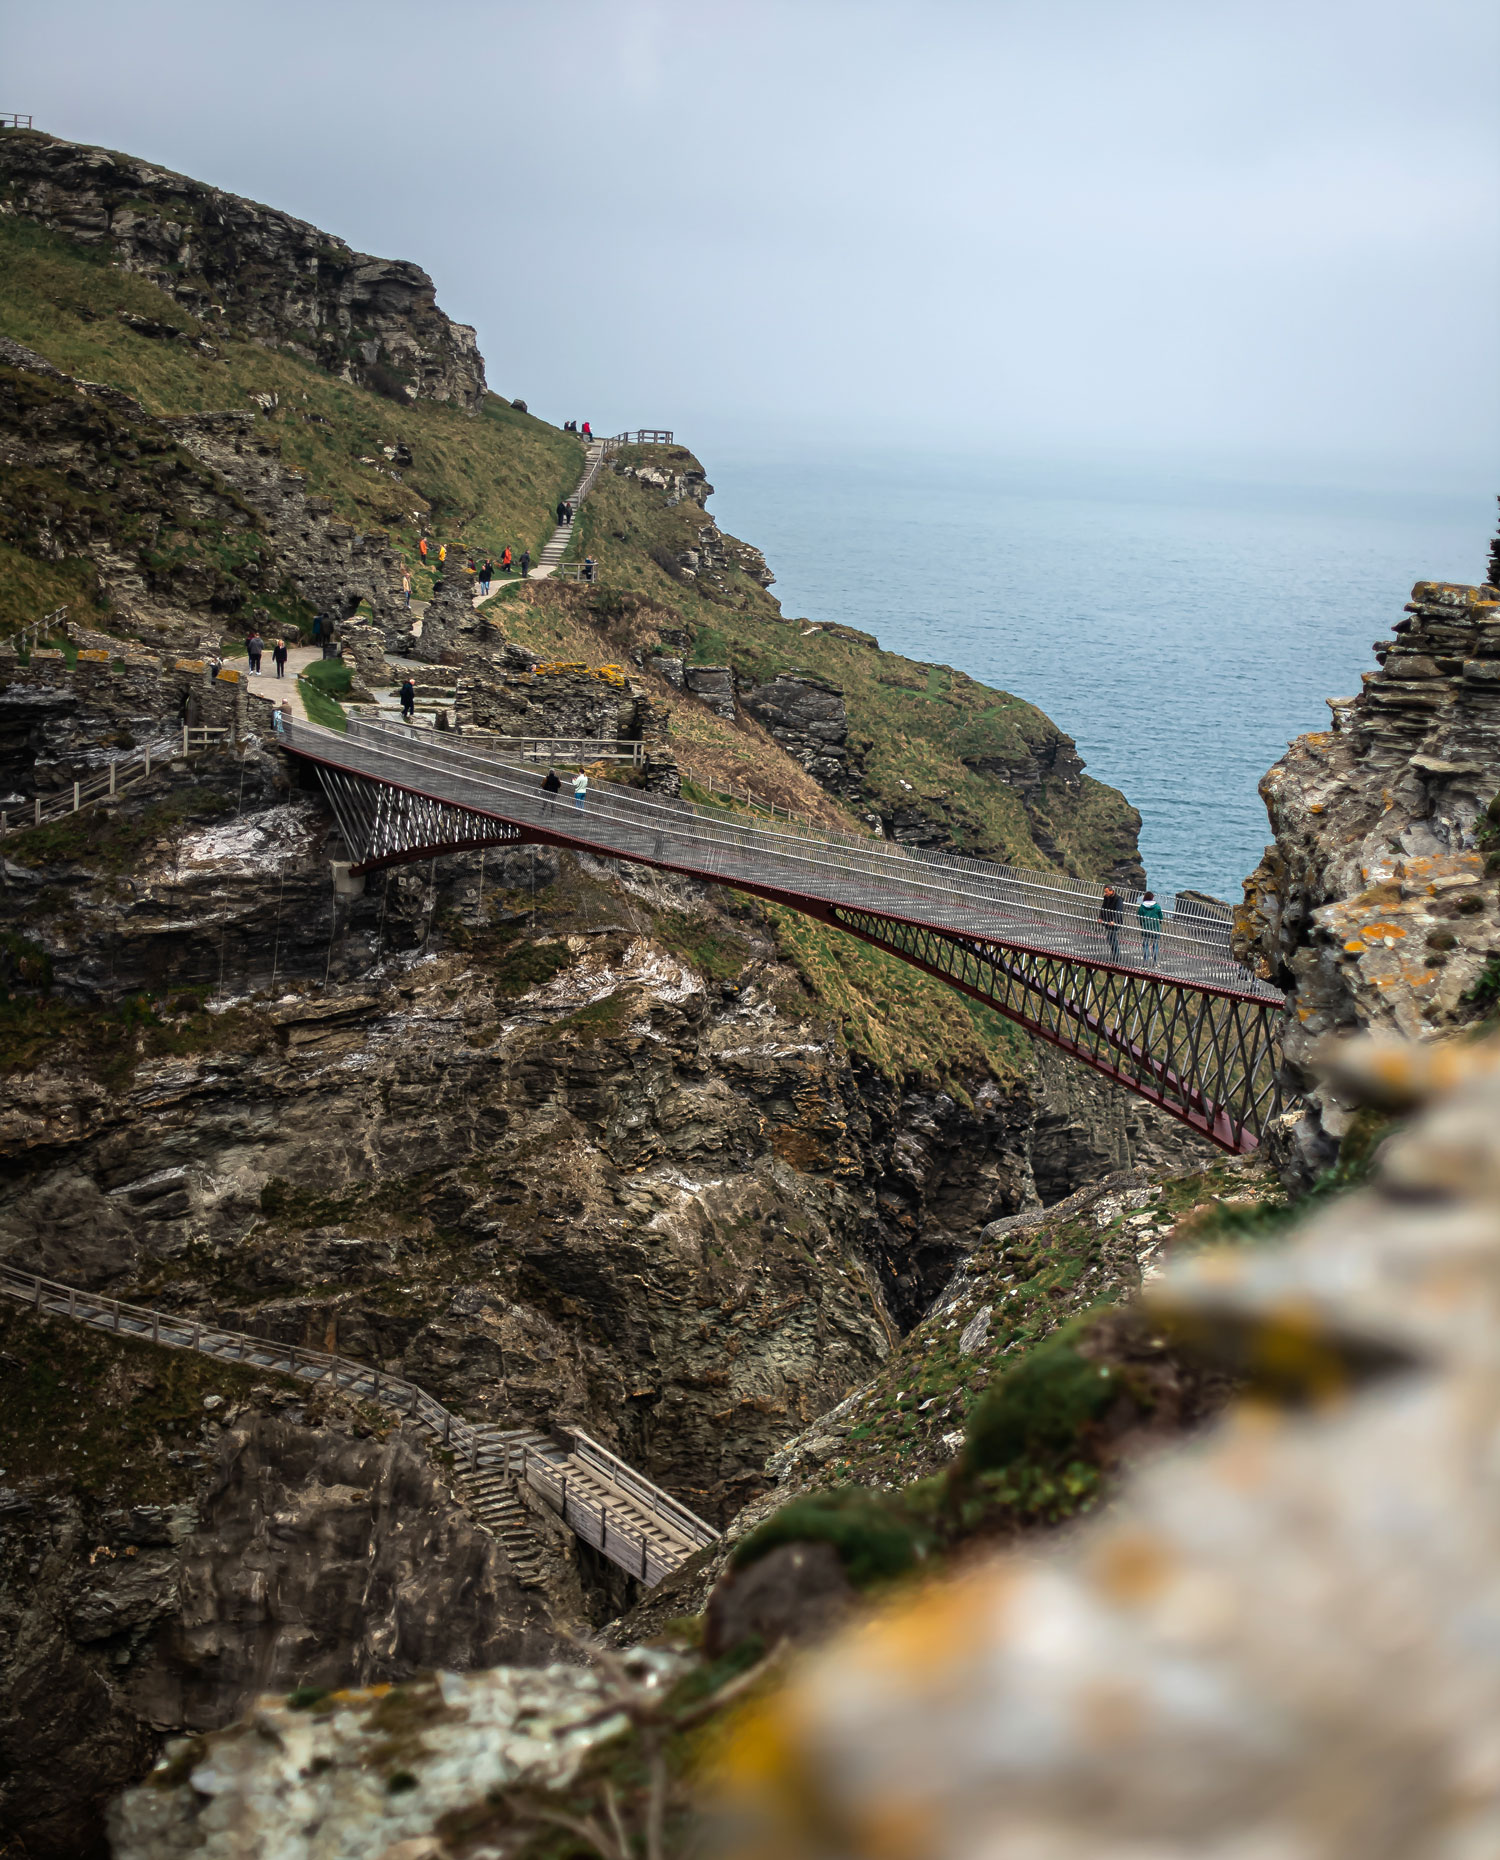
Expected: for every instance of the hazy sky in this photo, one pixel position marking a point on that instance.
(1245, 231)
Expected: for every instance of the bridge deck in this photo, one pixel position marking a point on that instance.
(1042, 913)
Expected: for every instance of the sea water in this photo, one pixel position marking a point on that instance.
(1181, 628)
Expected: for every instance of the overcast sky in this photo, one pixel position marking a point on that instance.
(1241, 231)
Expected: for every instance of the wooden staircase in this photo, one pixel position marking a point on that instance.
(605, 1502)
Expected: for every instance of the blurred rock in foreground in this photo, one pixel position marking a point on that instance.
(1281, 1643)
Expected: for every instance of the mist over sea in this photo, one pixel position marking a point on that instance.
(1182, 630)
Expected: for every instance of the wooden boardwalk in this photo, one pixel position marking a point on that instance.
(605, 1502)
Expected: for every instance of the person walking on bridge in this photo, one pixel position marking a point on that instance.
(1111, 916)
(580, 789)
(408, 700)
(551, 787)
(1148, 915)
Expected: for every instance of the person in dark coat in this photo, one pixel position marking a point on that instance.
(278, 658)
(525, 563)
(254, 647)
(408, 699)
(551, 786)
(1111, 916)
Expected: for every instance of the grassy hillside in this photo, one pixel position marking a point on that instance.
(485, 481)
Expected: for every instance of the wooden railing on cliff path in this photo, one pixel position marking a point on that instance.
(605, 1502)
(123, 773)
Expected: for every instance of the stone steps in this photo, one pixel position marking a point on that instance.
(494, 1504)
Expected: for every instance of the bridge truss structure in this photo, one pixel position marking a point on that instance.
(1171, 1016)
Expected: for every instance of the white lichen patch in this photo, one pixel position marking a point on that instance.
(270, 841)
(357, 1773)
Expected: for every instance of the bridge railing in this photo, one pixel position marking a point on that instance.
(687, 1524)
(1043, 910)
(613, 1533)
(546, 749)
(591, 1517)
(14, 119)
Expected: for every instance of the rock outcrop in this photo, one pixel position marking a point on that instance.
(1275, 1642)
(1376, 907)
(193, 524)
(232, 262)
(157, 1576)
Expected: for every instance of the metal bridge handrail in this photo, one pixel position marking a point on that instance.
(963, 879)
(868, 845)
(813, 860)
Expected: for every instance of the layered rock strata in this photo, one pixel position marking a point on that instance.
(1376, 906)
(230, 261)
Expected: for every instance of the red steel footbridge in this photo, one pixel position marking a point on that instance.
(1168, 1014)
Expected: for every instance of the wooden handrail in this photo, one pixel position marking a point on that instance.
(195, 739)
(590, 1519)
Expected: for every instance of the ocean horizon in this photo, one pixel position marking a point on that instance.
(1181, 627)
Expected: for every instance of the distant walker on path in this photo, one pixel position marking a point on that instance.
(551, 787)
(525, 563)
(408, 700)
(1148, 915)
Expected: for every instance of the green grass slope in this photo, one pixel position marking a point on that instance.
(484, 481)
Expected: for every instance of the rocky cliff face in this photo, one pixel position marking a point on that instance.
(196, 1537)
(234, 263)
(1376, 907)
(191, 525)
